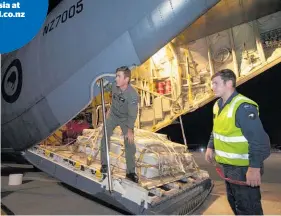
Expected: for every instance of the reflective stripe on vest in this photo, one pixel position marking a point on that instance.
(230, 111)
(232, 155)
(229, 139)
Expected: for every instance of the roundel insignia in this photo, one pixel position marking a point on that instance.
(12, 82)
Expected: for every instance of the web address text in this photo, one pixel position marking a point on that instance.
(12, 14)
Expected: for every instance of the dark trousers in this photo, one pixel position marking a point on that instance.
(244, 200)
(130, 149)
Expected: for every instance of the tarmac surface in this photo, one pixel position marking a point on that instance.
(41, 194)
(217, 204)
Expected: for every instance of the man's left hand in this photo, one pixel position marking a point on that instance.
(130, 136)
(253, 177)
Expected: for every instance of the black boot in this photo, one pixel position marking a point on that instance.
(103, 169)
(133, 177)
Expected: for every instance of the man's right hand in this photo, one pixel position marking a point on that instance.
(209, 155)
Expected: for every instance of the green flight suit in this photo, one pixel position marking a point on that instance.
(123, 113)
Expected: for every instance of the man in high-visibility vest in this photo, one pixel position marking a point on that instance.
(239, 143)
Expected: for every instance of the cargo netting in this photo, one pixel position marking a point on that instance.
(156, 155)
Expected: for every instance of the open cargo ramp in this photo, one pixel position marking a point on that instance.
(170, 181)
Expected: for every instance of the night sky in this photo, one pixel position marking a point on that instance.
(265, 89)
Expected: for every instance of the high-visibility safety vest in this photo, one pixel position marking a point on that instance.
(231, 147)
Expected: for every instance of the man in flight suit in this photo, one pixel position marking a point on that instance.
(123, 112)
(239, 143)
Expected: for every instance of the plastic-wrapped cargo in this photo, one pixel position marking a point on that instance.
(156, 155)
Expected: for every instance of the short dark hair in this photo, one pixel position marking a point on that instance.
(126, 70)
(226, 75)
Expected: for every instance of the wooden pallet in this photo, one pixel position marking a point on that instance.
(81, 158)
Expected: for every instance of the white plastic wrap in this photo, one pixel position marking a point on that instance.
(155, 156)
